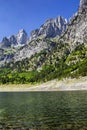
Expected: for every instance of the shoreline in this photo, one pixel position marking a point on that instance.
(53, 85)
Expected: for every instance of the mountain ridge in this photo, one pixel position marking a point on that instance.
(55, 25)
(30, 44)
(51, 28)
(45, 58)
(15, 40)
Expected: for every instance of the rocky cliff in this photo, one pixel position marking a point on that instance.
(15, 40)
(44, 38)
(53, 51)
(77, 28)
(51, 28)
(83, 5)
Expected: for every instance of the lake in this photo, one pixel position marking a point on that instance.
(43, 110)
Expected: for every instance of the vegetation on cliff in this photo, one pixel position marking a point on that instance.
(46, 65)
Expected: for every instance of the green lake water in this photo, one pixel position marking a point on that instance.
(43, 111)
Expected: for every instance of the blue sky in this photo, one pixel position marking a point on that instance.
(30, 14)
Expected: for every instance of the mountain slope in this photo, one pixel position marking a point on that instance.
(77, 28)
(49, 57)
(38, 38)
(51, 28)
(32, 45)
(15, 40)
(75, 35)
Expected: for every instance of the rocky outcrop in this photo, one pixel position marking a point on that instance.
(5, 43)
(77, 28)
(83, 5)
(22, 37)
(32, 48)
(15, 40)
(9, 46)
(75, 32)
(51, 28)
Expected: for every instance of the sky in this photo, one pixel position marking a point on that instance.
(31, 14)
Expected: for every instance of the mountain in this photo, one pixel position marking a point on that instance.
(51, 28)
(22, 37)
(15, 40)
(5, 43)
(38, 38)
(77, 28)
(56, 50)
(36, 43)
(83, 5)
(75, 33)
(11, 45)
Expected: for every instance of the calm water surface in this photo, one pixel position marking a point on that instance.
(43, 111)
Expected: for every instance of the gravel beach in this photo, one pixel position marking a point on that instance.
(53, 85)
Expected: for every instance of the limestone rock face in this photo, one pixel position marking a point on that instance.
(77, 28)
(74, 32)
(15, 40)
(83, 4)
(51, 28)
(5, 43)
(22, 37)
(32, 48)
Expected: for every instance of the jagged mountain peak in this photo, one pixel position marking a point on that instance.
(58, 20)
(51, 28)
(77, 29)
(22, 37)
(22, 31)
(76, 32)
(61, 19)
(5, 42)
(15, 40)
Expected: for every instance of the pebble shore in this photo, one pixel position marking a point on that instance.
(53, 85)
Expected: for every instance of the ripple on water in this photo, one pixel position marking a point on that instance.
(43, 111)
